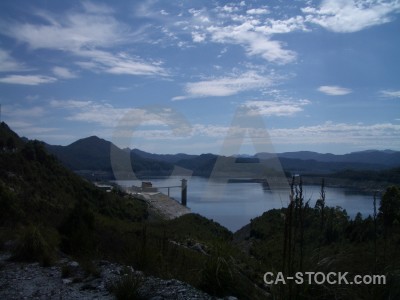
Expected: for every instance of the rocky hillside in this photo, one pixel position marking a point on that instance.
(67, 279)
(49, 214)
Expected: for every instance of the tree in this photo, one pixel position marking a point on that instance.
(390, 206)
(10, 144)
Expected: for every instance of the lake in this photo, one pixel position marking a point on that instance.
(234, 204)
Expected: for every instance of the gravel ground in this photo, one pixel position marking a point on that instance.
(31, 281)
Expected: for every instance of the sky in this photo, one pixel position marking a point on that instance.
(204, 76)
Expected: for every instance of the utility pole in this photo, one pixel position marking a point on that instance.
(184, 192)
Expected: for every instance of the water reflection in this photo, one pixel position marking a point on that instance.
(234, 204)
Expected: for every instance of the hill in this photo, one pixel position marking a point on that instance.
(48, 212)
(93, 154)
(169, 158)
(201, 165)
(9, 140)
(382, 159)
(35, 187)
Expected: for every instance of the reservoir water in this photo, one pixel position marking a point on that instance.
(234, 204)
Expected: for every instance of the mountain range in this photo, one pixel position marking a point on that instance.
(93, 153)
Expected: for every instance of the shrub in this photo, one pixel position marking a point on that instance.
(90, 268)
(127, 286)
(78, 231)
(32, 245)
(217, 275)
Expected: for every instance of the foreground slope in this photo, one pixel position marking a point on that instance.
(46, 208)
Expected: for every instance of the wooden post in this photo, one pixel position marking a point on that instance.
(184, 192)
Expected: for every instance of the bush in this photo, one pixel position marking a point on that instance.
(33, 245)
(127, 286)
(78, 232)
(217, 275)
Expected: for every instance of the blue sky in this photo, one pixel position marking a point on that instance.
(173, 76)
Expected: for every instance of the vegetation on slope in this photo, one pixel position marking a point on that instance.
(46, 208)
(300, 238)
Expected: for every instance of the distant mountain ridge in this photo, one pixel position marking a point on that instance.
(90, 157)
(169, 158)
(93, 154)
(374, 157)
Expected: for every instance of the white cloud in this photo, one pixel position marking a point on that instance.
(198, 37)
(333, 90)
(361, 135)
(33, 131)
(199, 16)
(103, 114)
(257, 11)
(70, 104)
(120, 63)
(365, 136)
(63, 73)
(82, 35)
(17, 113)
(121, 88)
(9, 64)
(210, 130)
(107, 115)
(70, 32)
(328, 133)
(254, 42)
(66, 37)
(232, 24)
(390, 94)
(229, 8)
(164, 13)
(27, 79)
(225, 86)
(97, 8)
(351, 15)
(273, 26)
(275, 108)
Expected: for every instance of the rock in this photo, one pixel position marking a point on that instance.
(31, 281)
(67, 281)
(73, 264)
(199, 248)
